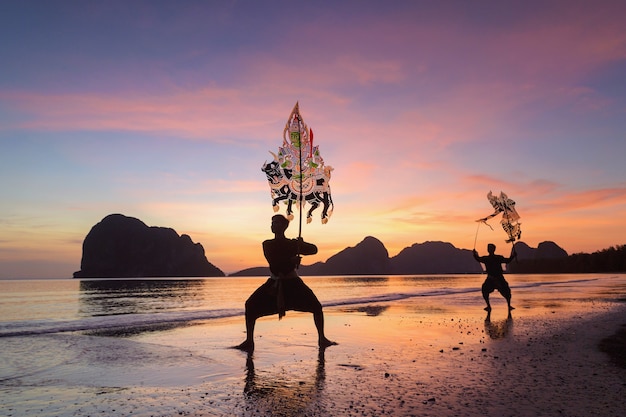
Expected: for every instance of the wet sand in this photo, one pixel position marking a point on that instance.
(406, 358)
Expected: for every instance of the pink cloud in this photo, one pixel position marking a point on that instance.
(213, 113)
(595, 199)
(525, 187)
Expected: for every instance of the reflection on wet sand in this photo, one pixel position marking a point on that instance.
(498, 329)
(368, 310)
(279, 394)
(366, 281)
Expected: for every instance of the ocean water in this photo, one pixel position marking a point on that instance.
(46, 306)
(160, 347)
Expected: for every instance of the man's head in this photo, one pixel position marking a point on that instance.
(279, 223)
(491, 248)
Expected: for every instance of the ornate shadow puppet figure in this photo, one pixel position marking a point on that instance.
(298, 174)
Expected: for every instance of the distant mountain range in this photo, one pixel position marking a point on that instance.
(370, 257)
(121, 246)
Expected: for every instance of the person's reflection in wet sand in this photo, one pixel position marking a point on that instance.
(498, 329)
(281, 395)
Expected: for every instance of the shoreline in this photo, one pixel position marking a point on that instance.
(403, 358)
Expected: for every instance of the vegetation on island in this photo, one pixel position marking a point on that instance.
(612, 259)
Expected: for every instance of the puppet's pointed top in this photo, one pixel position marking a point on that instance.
(296, 131)
(295, 112)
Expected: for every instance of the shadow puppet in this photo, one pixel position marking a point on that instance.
(285, 395)
(498, 329)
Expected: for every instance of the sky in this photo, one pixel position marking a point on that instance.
(166, 111)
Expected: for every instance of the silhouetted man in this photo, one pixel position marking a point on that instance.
(284, 290)
(495, 276)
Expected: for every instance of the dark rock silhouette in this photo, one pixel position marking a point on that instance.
(257, 271)
(124, 247)
(434, 258)
(550, 250)
(548, 257)
(545, 250)
(523, 251)
(369, 257)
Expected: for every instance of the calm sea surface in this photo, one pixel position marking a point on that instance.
(31, 307)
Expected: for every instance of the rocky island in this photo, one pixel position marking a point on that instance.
(125, 247)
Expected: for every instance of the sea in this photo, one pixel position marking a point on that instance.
(31, 307)
(160, 347)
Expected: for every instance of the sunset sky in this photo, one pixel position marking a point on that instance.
(165, 111)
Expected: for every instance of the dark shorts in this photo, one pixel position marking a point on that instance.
(298, 297)
(496, 283)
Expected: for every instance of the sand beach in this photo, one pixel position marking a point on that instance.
(409, 357)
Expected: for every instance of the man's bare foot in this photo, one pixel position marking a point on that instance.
(246, 346)
(511, 308)
(324, 343)
(488, 308)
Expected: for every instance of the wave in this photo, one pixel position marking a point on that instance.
(442, 292)
(120, 321)
(127, 322)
